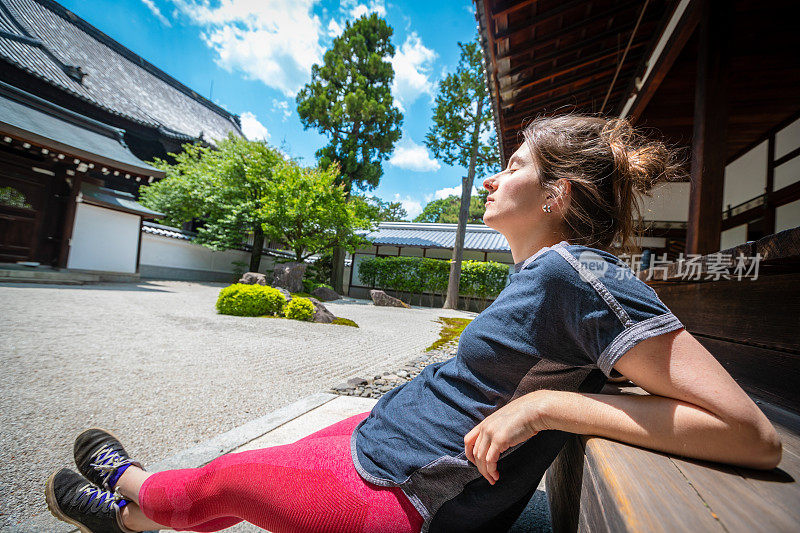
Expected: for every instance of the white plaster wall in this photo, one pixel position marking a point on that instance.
(161, 251)
(104, 239)
(787, 139)
(669, 201)
(786, 174)
(733, 237)
(787, 216)
(651, 242)
(746, 177)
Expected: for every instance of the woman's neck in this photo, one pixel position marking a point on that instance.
(524, 246)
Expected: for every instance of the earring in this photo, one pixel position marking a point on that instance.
(546, 208)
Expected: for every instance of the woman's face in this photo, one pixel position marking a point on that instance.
(515, 197)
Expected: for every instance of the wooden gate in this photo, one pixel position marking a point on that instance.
(31, 213)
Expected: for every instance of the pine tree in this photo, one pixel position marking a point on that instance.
(349, 99)
(462, 115)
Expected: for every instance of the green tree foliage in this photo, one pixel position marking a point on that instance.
(446, 210)
(308, 212)
(349, 99)
(462, 134)
(387, 211)
(224, 186)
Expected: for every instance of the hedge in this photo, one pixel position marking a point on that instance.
(416, 275)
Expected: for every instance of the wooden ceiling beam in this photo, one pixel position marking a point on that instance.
(572, 48)
(569, 67)
(581, 24)
(538, 110)
(672, 50)
(509, 7)
(549, 16)
(565, 83)
(510, 118)
(580, 90)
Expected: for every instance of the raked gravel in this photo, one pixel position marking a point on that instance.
(154, 363)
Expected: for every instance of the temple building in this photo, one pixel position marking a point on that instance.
(80, 116)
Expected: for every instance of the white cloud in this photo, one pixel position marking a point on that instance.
(275, 42)
(412, 207)
(281, 106)
(355, 9)
(157, 12)
(450, 191)
(447, 191)
(411, 156)
(252, 128)
(412, 64)
(334, 28)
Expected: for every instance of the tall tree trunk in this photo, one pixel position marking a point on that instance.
(451, 302)
(258, 246)
(337, 269)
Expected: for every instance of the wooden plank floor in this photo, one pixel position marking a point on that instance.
(627, 488)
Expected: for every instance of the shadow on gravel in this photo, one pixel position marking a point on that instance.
(133, 287)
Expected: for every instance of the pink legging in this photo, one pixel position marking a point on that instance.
(309, 485)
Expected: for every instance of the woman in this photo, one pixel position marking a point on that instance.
(463, 446)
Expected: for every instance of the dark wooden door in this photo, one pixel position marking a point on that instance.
(22, 204)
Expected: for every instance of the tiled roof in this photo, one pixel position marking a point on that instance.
(166, 231)
(46, 40)
(430, 235)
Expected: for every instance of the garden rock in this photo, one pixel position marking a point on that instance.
(286, 294)
(321, 313)
(253, 278)
(384, 300)
(325, 294)
(289, 276)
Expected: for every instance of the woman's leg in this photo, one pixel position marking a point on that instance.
(134, 519)
(310, 485)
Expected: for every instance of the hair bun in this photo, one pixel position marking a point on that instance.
(640, 163)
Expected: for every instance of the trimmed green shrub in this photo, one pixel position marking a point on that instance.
(240, 299)
(300, 309)
(481, 279)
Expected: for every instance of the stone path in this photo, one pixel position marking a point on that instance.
(154, 363)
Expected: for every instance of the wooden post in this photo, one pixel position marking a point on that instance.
(769, 205)
(709, 148)
(69, 218)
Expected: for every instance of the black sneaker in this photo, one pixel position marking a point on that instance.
(74, 500)
(98, 455)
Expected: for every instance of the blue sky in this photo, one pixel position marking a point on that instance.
(252, 56)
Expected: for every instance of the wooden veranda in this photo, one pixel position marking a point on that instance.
(720, 79)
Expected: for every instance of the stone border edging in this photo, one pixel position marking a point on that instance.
(199, 454)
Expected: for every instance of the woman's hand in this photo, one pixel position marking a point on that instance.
(510, 425)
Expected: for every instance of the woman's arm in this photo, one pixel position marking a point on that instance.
(695, 409)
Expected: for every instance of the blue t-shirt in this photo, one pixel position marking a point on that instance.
(566, 317)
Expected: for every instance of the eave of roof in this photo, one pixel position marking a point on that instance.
(548, 59)
(116, 200)
(32, 119)
(27, 43)
(433, 235)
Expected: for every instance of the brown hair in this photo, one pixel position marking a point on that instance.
(608, 164)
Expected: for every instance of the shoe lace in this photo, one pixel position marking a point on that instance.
(107, 460)
(104, 498)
